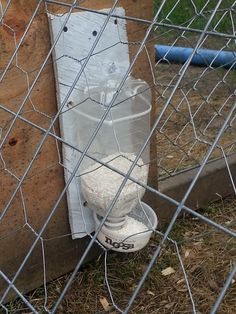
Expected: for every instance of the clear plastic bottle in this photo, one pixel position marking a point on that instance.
(121, 135)
(127, 123)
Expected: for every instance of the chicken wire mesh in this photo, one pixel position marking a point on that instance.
(193, 124)
(190, 124)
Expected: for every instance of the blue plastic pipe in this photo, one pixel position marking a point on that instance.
(203, 57)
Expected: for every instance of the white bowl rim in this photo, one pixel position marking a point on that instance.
(146, 206)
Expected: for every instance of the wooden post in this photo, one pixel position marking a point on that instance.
(44, 182)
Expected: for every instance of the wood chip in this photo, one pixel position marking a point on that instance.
(198, 242)
(169, 305)
(167, 271)
(105, 304)
(150, 292)
(182, 289)
(186, 254)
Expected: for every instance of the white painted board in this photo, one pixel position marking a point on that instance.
(111, 55)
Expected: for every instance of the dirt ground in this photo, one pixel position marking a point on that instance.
(194, 117)
(207, 255)
(197, 109)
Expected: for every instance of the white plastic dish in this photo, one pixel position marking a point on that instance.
(114, 240)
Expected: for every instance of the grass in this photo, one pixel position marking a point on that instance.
(207, 254)
(180, 13)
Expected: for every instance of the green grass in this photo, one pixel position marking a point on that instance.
(184, 11)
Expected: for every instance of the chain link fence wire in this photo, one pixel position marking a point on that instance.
(194, 124)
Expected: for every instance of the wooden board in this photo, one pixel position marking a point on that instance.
(44, 182)
(214, 179)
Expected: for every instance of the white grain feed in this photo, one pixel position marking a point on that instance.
(99, 184)
(131, 227)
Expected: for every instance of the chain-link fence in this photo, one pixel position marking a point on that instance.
(56, 58)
